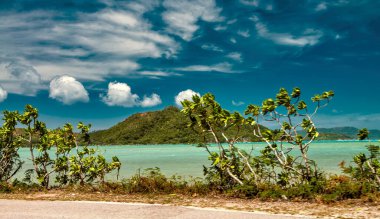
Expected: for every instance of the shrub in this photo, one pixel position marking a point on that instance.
(365, 168)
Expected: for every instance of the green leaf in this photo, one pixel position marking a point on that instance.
(296, 92)
(363, 134)
(283, 98)
(216, 161)
(286, 126)
(302, 105)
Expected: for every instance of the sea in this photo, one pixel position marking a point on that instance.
(187, 160)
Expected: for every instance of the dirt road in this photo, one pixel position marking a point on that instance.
(85, 209)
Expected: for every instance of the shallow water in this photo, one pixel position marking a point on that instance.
(188, 160)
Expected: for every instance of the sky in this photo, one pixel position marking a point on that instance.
(99, 61)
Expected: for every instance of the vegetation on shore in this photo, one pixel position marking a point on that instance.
(344, 133)
(71, 165)
(274, 173)
(170, 126)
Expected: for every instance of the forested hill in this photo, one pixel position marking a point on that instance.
(346, 133)
(168, 126)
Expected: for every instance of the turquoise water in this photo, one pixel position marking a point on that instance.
(188, 160)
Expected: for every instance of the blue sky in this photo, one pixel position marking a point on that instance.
(100, 61)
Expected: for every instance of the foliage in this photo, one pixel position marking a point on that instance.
(290, 113)
(151, 180)
(83, 166)
(231, 165)
(233, 172)
(10, 162)
(36, 128)
(365, 168)
(168, 126)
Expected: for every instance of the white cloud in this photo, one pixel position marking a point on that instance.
(223, 67)
(67, 90)
(158, 74)
(220, 27)
(111, 40)
(121, 18)
(182, 16)
(321, 6)
(232, 21)
(238, 103)
(309, 37)
(86, 70)
(153, 100)
(120, 94)
(155, 73)
(185, 95)
(211, 47)
(20, 78)
(3, 94)
(233, 40)
(250, 2)
(244, 33)
(263, 5)
(235, 56)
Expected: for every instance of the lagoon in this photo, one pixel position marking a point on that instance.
(188, 160)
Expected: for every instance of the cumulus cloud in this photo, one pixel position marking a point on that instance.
(223, 67)
(120, 94)
(308, 37)
(20, 78)
(67, 90)
(182, 16)
(185, 95)
(153, 100)
(3, 94)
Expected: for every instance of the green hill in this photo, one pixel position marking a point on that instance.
(168, 126)
(333, 136)
(346, 133)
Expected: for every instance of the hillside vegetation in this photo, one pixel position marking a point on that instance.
(346, 133)
(168, 126)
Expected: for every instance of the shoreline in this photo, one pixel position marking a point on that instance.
(254, 142)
